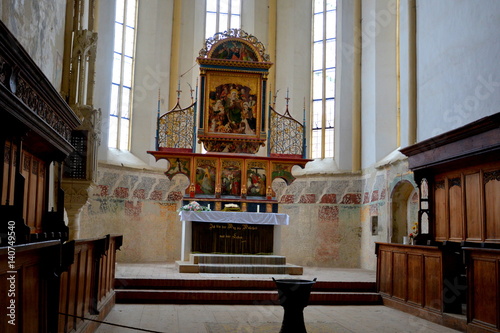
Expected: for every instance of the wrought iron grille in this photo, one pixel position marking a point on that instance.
(286, 134)
(75, 166)
(176, 128)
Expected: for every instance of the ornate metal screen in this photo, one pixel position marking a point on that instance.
(286, 134)
(176, 128)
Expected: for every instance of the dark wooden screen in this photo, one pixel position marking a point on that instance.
(232, 238)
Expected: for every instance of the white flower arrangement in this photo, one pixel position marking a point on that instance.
(231, 207)
(194, 206)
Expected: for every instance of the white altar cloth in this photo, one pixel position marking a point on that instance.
(235, 217)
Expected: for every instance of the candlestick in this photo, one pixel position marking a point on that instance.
(258, 208)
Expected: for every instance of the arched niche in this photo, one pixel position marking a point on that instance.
(404, 210)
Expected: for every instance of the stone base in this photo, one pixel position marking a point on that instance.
(238, 264)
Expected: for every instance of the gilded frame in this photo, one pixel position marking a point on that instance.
(232, 111)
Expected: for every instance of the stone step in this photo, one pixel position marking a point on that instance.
(240, 297)
(285, 269)
(237, 259)
(243, 269)
(235, 284)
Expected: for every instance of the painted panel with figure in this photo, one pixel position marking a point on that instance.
(206, 173)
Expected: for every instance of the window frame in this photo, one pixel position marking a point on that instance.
(209, 31)
(323, 120)
(120, 124)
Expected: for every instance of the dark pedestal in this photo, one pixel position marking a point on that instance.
(294, 296)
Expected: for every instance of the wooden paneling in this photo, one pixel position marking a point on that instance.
(455, 208)
(384, 277)
(441, 211)
(492, 205)
(399, 267)
(433, 282)
(30, 288)
(483, 279)
(33, 170)
(465, 204)
(411, 275)
(32, 294)
(473, 206)
(39, 294)
(415, 277)
(87, 285)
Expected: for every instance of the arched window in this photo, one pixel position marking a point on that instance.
(323, 83)
(123, 64)
(222, 15)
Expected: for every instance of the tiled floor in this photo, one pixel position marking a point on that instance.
(257, 318)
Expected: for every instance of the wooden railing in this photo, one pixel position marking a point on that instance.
(435, 283)
(53, 286)
(86, 289)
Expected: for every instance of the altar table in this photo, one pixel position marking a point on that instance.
(272, 220)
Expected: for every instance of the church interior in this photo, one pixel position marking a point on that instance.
(222, 143)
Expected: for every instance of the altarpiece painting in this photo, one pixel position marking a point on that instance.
(233, 78)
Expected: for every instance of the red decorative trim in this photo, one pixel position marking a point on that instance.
(307, 198)
(351, 198)
(121, 192)
(287, 199)
(329, 198)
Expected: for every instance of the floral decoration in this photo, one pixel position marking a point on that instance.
(231, 207)
(414, 230)
(194, 206)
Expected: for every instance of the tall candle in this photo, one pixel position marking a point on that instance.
(208, 206)
(258, 208)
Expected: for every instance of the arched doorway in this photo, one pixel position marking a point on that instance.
(404, 209)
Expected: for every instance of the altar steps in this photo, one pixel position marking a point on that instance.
(237, 292)
(238, 264)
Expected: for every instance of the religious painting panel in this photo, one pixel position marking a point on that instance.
(231, 172)
(233, 49)
(206, 175)
(232, 112)
(283, 170)
(178, 165)
(256, 178)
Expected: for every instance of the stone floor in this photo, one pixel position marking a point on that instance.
(170, 271)
(255, 318)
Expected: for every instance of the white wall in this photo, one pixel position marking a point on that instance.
(293, 56)
(152, 73)
(39, 27)
(458, 54)
(104, 69)
(379, 111)
(344, 94)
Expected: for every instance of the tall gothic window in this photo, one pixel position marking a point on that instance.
(323, 83)
(123, 64)
(222, 15)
